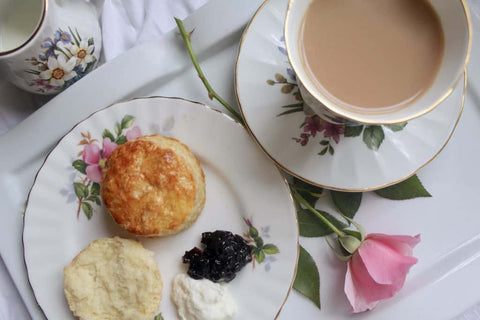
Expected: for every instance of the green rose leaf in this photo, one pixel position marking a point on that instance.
(98, 201)
(307, 191)
(307, 281)
(158, 317)
(107, 134)
(347, 202)
(80, 189)
(121, 140)
(260, 256)
(270, 82)
(87, 209)
(408, 189)
(353, 131)
(311, 226)
(373, 137)
(331, 150)
(80, 165)
(127, 121)
(95, 189)
(118, 129)
(270, 249)
(397, 127)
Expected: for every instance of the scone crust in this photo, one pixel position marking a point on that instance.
(153, 186)
(113, 279)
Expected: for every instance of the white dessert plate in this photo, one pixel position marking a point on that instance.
(333, 156)
(244, 190)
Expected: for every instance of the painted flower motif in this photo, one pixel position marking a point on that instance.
(378, 268)
(59, 70)
(63, 36)
(95, 158)
(313, 125)
(50, 47)
(83, 53)
(332, 130)
(133, 133)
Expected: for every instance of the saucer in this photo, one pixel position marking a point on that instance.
(346, 158)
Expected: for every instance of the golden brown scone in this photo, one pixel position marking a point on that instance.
(153, 186)
(113, 279)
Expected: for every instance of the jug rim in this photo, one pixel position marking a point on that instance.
(33, 35)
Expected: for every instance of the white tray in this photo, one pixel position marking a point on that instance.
(442, 285)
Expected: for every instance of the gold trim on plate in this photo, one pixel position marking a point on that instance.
(247, 126)
(341, 114)
(33, 35)
(147, 98)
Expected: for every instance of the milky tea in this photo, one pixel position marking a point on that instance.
(381, 54)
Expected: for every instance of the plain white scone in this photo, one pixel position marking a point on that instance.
(113, 279)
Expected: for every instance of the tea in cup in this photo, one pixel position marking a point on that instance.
(376, 62)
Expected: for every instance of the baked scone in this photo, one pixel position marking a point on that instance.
(113, 279)
(153, 186)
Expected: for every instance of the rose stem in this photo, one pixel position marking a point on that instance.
(301, 200)
(211, 93)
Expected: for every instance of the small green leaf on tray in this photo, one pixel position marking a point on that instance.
(307, 281)
(397, 127)
(80, 165)
(80, 189)
(373, 137)
(353, 131)
(307, 191)
(347, 202)
(408, 189)
(158, 317)
(87, 209)
(311, 226)
(270, 249)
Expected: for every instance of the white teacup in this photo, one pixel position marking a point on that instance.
(47, 45)
(455, 20)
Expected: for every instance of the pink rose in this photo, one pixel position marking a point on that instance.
(377, 270)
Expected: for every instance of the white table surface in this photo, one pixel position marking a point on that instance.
(16, 105)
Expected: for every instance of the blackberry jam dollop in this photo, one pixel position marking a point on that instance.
(223, 256)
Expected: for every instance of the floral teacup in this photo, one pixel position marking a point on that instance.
(47, 45)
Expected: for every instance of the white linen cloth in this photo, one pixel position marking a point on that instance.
(125, 24)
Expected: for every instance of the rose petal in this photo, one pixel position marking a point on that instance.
(108, 147)
(94, 172)
(133, 133)
(357, 301)
(91, 154)
(384, 264)
(367, 287)
(401, 244)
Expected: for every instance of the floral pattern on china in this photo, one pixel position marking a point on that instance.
(92, 158)
(373, 135)
(66, 58)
